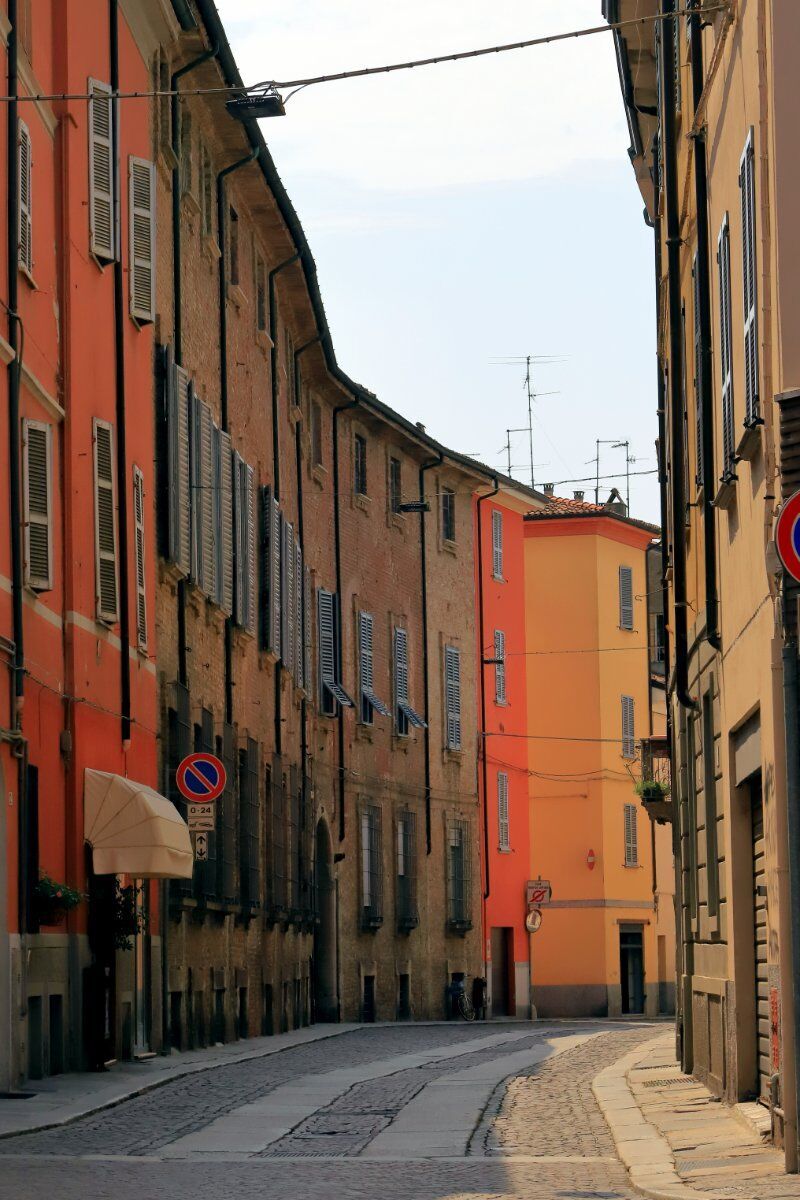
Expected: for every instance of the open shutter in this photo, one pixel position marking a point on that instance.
(250, 548)
(237, 464)
(697, 352)
(401, 684)
(106, 583)
(502, 811)
(290, 610)
(626, 598)
(141, 593)
(452, 672)
(275, 578)
(628, 736)
(25, 225)
(37, 466)
(298, 616)
(178, 406)
(223, 520)
(366, 626)
(328, 649)
(142, 221)
(497, 544)
(206, 502)
(307, 616)
(102, 222)
(631, 836)
(747, 184)
(726, 367)
(500, 666)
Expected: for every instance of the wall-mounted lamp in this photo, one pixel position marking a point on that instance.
(414, 506)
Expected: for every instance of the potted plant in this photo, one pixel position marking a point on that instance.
(652, 789)
(128, 917)
(54, 900)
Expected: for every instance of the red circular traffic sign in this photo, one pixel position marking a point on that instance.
(201, 778)
(787, 536)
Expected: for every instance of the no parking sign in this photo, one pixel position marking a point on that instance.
(201, 778)
(787, 536)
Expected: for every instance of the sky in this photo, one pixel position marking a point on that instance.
(466, 213)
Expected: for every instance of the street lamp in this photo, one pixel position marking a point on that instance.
(249, 107)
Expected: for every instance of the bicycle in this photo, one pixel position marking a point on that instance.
(464, 1005)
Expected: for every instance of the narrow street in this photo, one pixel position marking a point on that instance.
(419, 1112)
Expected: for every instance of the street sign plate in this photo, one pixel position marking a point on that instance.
(538, 891)
(206, 823)
(787, 536)
(200, 810)
(201, 777)
(533, 921)
(201, 847)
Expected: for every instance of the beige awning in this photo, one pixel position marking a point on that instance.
(133, 830)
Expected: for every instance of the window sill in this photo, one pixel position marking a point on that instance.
(726, 493)
(750, 442)
(210, 247)
(190, 202)
(451, 755)
(397, 521)
(498, 578)
(459, 928)
(364, 733)
(236, 295)
(319, 475)
(27, 276)
(361, 501)
(264, 340)
(448, 546)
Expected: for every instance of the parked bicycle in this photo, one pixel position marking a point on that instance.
(461, 1004)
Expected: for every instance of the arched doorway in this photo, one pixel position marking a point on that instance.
(326, 1007)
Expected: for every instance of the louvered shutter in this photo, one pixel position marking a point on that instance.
(628, 737)
(497, 544)
(37, 465)
(626, 598)
(298, 616)
(307, 616)
(141, 590)
(206, 502)
(237, 464)
(291, 601)
(726, 366)
(631, 836)
(502, 811)
(106, 584)
(178, 411)
(283, 590)
(223, 520)
(452, 679)
(326, 639)
(102, 217)
(747, 184)
(365, 649)
(142, 220)
(500, 666)
(25, 223)
(275, 578)
(401, 684)
(250, 548)
(698, 391)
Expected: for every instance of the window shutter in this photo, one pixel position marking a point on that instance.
(37, 465)
(250, 548)
(500, 666)
(327, 645)
(626, 598)
(275, 578)
(206, 502)
(25, 230)
(289, 642)
(178, 405)
(223, 523)
(102, 217)
(628, 738)
(405, 715)
(307, 676)
(141, 593)
(726, 367)
(283, 592)
(237, 464)
(452, 672)
(365, 646)
(747, 184)
(106, 584)
(631, 836)
(299, 641)
(698, 393)
(502, 811)
(142, 220)
(497, 544)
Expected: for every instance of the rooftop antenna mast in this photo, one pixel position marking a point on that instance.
(532, 395)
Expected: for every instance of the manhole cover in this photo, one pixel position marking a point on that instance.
(679, 1082)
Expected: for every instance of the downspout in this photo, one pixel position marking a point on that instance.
(677, 448)
(426, 466)
(276, 451)
(337, 545)
(222, 229)
(703, 367)
(305, 616)
(119, 387)
(481, 644)
(791, 716)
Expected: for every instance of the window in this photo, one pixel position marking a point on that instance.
(244, 517)
(626, 598)
(405, 716)
(176, 461)
(725, 356)
(277, 893)
(261, 294)
(102, 213)
(499, 667)
(290, 367)
(685, 402)
(659, 642)
(407, 912)
(141, 579)
(452, 697)
(331, 691)
(370, 704)
(223, 520)
(25, 227)
(371, 868)
(233, 246)
(249, 825)
(206, 192)
(163, 84)
(105, 522)
(747, 184)
(287, 592)
(503, 834)
(37, 468)
(697, 355)
(448, 515)
(395, 485)
(628, 743)
(142, 216)
(497, 545)
(631, 835)
(316, 433)
(459, 876)
(202, 491)
(272, 550)
(187, 165)
(295, 856)
(710, 798)
(360, 465)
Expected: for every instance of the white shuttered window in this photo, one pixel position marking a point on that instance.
(503, 828)
(102, 213)
(142, 219)
(105, 519)
(452, 697)
(628, 737)
(631, 836)
(176, 414)
(139, 549)
(37, 467)
(244, 503)
(725, 342)
(626, 598)
(25, 223)
(497, 545)
(223, 520)
(747, 184)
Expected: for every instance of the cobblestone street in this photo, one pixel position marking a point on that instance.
(432, 1112)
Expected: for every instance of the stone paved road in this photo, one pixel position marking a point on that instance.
(453, 1116)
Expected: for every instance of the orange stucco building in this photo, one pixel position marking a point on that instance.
(600, 949)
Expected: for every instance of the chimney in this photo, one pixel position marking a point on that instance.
(578, 495)
(616, 504)
(549, 489)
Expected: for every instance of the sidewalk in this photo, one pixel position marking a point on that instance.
(60, 1099)
(678, 1141)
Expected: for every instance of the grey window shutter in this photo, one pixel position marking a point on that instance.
(628, 734)
(250, 548)
(307, 617)
(224, 522)
(275, 578)
(503, 829)
(452, 672)
(329, 649)
(747, 184)
(141, 582)
(102, 216)
(626, 598)
(206, 502)
(283, 591)
(106, 581)
(409, 715)
(631, 836)
(37, 466)
(291, 600)
(298, 616)
(195, 468)
(142, 223)
(698, 391)
(497, 544)
(178, 413)
(366, 627)
(25, 196)
(500, 666)
(238, 535)
(725, 357)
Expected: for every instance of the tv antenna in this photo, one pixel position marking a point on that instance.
(615, 444)
(532, 394)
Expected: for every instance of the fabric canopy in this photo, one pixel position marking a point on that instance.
(133, 830)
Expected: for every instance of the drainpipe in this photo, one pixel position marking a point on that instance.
(337, 545)
(482, 643)
(298, 449)
(677, 448)
(276, 450)
(14, 368)
(222, 229)
(426, 466)
(703, 367)
(791, 714)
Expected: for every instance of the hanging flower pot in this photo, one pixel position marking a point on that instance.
(54, 900)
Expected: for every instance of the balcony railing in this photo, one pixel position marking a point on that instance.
(655, 786)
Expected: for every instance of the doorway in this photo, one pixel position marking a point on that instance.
(631, 968)
(502, 941)
(762, 1030)
(326, 1006)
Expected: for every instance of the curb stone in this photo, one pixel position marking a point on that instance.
(645, 1152)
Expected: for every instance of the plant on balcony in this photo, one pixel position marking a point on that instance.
(128, 918)
(54, 900)
(652, 789)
